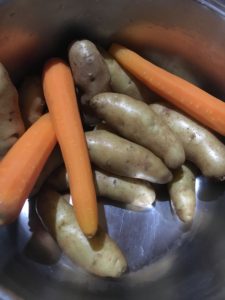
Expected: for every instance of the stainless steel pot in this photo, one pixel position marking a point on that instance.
(166, 260)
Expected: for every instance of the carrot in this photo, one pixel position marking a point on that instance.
(200, 105)
(61, 100)
(21, 166)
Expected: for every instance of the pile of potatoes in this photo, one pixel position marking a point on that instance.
(135, 140)
(137, 135)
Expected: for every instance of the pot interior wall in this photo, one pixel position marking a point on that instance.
(166, 259)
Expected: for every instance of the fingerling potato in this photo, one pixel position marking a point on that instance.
(99, 255)
(136, 194)
(136, 121)
(123, 82)
(119, 156)
(41, 247)
(200, 145)
(32, 102)
(90, 73)
(11, 123)
(182, 193)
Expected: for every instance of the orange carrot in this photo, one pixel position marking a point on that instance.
(21, 166)
(200, 105)
(61, 100)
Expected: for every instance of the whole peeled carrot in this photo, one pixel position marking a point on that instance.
(21, 166)
(61, 100)
(200, 105)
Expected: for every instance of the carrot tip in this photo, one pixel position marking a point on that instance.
(90, 235)
(189, 98)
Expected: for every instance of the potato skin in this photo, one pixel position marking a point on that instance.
(136, 121)
(182, 193)
(119, 156)
(11, 123)
(136, 194)
(200, 145)
(99, 255)
(123, 82)
(32, 102)
(41, 247)
(89, 69)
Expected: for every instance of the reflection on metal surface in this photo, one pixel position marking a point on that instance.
(155, 243)
(216, 5)
(151, 240)
(166, 259)
(6, 294)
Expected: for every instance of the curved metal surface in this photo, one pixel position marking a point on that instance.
(216, 5)
(166, 260)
